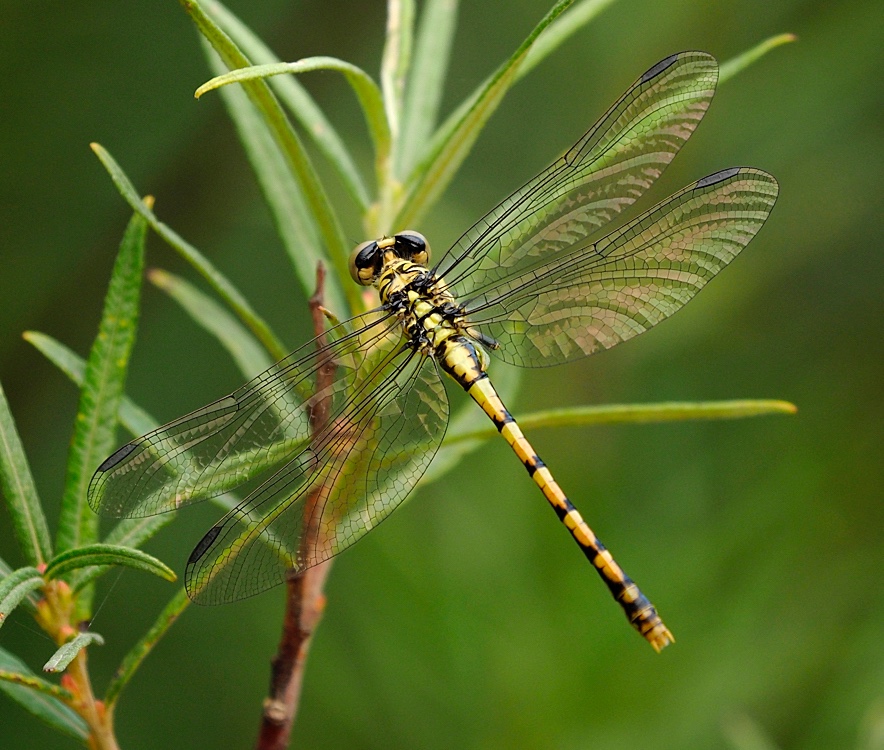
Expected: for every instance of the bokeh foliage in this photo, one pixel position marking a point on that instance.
(469, 621)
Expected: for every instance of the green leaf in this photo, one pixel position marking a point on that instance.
(245, 350)
(17, 485)
(425, 84)
(295, 97)
(16, 587)
(59, 661)
(140, 650)
(366, 90)
(43, 699)
(290, 145)
(555, 34)
(131, 416)
(674, 411)
(95, 426)
(739, 63)
(188, 252)
(130, 532)
(7, 570)
(294, 222)
(107, 554)
(396, 59)
(560, 30)
(455, 139)
(14, 577)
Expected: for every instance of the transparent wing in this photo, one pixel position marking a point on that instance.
(352, 476)
(607, 170)
(594, 296)
(258, 426)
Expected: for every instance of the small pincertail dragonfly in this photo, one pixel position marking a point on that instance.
(534, 282)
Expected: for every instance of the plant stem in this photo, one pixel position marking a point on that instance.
(305, 602)
(101, 725)
(305, 597)
(54, 616)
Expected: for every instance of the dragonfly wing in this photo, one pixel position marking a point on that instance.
(354, 473)
(224, 444)
(597, 295)
(606, 171)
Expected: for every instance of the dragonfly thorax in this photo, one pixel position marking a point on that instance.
(433, 323)
(428, 312)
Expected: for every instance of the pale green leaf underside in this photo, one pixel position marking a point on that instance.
(60, 660)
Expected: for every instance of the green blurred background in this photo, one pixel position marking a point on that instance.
(759, 540)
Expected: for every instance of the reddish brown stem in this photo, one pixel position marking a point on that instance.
(305, 597)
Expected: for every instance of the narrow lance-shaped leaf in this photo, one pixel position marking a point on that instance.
(107, 554)
(12, 579)
(396, 58)
(447, 153)
(366, 90)
(6, 570)
(673, 411)
(133, 418)
(294, 222)
(560, 30)
(16, 587)
(289, 143)
(95, 427)
(225, 289)
(240, 344)
(59, 661)
(177, 604)
(41, 698)
(17, 485)
(298, 101)
(739, 63)
(583, 12)
(555, 34)
(423, 93)
(130, 532)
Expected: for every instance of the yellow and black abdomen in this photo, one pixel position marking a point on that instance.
(459, 357)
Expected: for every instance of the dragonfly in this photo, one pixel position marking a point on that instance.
(337, 434)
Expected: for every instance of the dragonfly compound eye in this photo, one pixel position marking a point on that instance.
(365, 262)
(414, 247)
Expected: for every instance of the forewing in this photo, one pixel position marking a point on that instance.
(354, 474)
(608, 169)
(597, 295)
(255, 428)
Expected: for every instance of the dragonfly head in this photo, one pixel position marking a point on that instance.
(368, 258)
